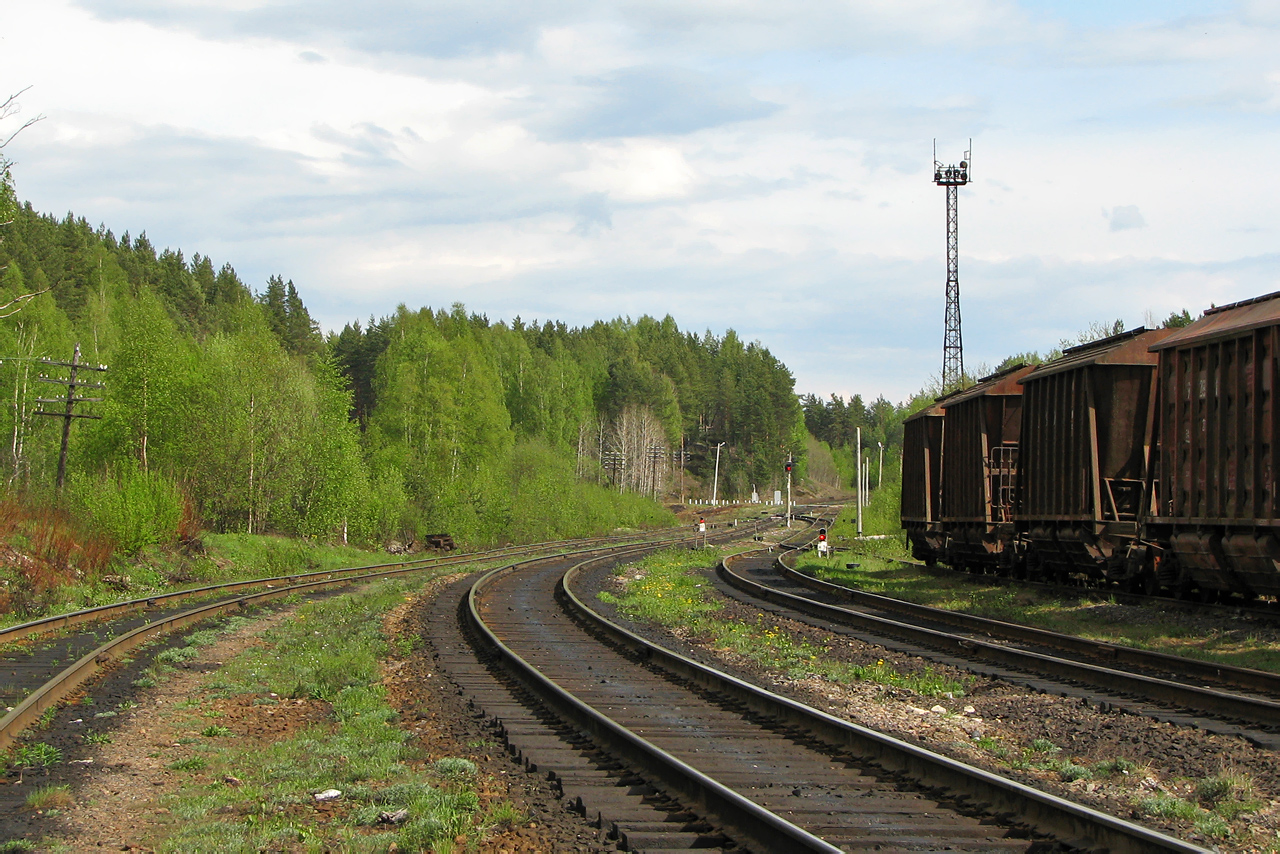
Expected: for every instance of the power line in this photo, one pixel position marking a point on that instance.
(69, 401)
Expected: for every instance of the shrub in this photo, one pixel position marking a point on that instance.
(49, 549)
(135, 508)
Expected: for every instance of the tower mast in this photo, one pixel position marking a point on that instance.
(952, 178)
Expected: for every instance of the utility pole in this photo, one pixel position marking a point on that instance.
(715, 483)
(952, 178)
(69, 402)
(880, 473)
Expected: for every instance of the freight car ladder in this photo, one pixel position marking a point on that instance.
(1002, 474)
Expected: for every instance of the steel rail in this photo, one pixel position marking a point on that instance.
(68, 680)
(53, 623)
(742, 817)
(1239, 677)
(72, 677)
(1177, 694)
(1069, 822)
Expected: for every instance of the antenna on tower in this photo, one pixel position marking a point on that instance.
(952, 178)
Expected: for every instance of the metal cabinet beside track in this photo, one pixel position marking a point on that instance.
(922, 484)
(1218, 507)
(1085, 452)
(979, 470)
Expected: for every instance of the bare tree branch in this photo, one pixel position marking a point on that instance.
(11, 107)
(18, 303)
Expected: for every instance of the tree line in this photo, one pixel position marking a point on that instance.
(229, 405)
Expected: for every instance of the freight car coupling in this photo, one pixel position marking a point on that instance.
(1144, 461)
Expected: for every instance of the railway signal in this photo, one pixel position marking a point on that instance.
(823, 546)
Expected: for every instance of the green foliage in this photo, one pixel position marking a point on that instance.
(133, 507)
(1177, 320)
(235, 410)
(38, 755)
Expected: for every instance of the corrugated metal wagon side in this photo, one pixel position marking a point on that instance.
(1216, 501)
(979, 471)
(922, 483)
(1086, 449)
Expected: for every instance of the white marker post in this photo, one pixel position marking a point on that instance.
(859, 481)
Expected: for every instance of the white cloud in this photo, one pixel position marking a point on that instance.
(736, 164)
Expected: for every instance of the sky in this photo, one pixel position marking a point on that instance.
(760, 166)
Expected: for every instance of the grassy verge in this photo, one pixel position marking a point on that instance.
(666, 589)
(1210, 804)
(251, 793)
(1174, 632)
(226, 557)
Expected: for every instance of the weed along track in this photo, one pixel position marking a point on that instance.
(48, 664)
(668, 753)
(47, 660)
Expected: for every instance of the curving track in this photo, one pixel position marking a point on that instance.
(1240, 702)
(45, 661)
(628, 728)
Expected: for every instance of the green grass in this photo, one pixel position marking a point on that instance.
(49, 797)
(1082, 615)
(665, 589)
(227, 557)
(329, 650)
(1216, 802)
(879, 518)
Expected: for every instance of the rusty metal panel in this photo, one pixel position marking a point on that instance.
(1054, 448)
(922, 466)
(1218, 434)
(1087, 431)
(1227, 321)
(980, 434)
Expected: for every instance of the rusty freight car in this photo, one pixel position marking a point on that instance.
(1218, 509)
(922, 484)
(1085, 452)
(979, 472)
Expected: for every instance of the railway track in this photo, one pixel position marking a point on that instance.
(666, 753)
(1238, 702)
(45, 661)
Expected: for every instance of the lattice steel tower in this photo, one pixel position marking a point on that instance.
(953, 178)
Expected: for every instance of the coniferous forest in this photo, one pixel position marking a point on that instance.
(225, 408)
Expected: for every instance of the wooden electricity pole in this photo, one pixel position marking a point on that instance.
(69, 402)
